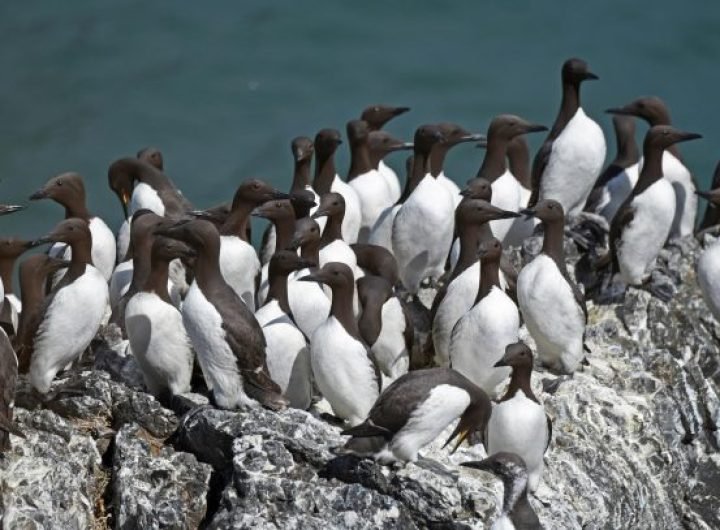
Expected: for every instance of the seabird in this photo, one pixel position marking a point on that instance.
(381, 144)
(381, 233)
(452, 135)
(712, 213)
(10, 250)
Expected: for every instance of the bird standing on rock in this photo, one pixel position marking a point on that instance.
(552, 305)
(414, 410)
(225, 335)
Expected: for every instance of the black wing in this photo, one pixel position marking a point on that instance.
(538, 168)
(623, 217)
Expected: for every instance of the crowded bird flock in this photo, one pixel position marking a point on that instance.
(321, 315)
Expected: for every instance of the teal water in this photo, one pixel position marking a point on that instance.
(222, 87)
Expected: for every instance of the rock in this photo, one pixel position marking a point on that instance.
(143, 409)
(51, 479)
(154, 486)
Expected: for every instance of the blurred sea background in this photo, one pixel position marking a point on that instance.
(222, 87)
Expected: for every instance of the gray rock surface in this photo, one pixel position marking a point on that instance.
(635, 441)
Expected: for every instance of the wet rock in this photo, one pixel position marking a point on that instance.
(155, 486)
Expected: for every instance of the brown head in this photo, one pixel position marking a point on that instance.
(548, 211)
(575, 71)
(660, 137)
(331, 205)
(479, 211)
(477, 188)
(378, 115)
(517, 355)
(68, 190)
(505, 127)
(71, 231)
(165, 249)
(307, 232)
(256, 192)
(283, 262)
(490, 251)
(326, 142)
(652, 109)
(382, 143)
(152, 156)
(334, 274)
(275, 210)
(302, 149)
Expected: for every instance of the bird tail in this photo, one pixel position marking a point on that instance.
(259, 386)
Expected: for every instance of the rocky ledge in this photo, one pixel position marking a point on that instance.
(635, 444)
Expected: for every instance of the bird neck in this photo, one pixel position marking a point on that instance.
(520, 380)
(333, 229)
(311, 251)
(554, 241)
(627, 151)
(301, 176)
(651, 171)
(77, 208)
(568, 108)
(324, 173)
(489, 278)
(437, 158)
(370, 323)
(471, 235)
(6, 269)
(277, 290)
(141, 263)
(359, 160)
(81, 256)
(157, 280)
(207, 266)
(237, 222)
(342, 309)
(284, 230)
(494, 164)
(417, 173)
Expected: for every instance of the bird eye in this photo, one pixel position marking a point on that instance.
(255, 185)
(59, 183)
(376, 109)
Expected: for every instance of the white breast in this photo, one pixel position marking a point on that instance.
(353, 215)
(685, 198)
(551, 314)
(145, 197)
(160, 343)
(375, 196)
(643, 238)
(616, 191)
(458, 300)
(391, 179)
(506, 195)
(422, 233)
(120, 281)
(69, 324)
(239, 265)
(343, 371)
(288, 355)
(381, 233)
(123, 240)
(451, 187)
(217, 360)
(269, 248)
(479, 339)
(519, 425)
(389, 349)
(444, 404)
(576, 160)
(308, 302)
(103, 247)
(708, 276)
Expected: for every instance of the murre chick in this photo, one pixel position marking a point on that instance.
(287, 351)
(155, 327)
(618, 179)
(415, 410)
(68, 190)
(518, 423)
(516, 512)
(655, 112)
(423, 227)
(479, 337)
(644, 222)
(344, 370)
(75, 308)
(372, 189)
(33, 272)
(552, 305)
(376, 116)
(569, 162)
(453, 135)
(227, 339)
(327, 180)
(506, 190)
(308, 301)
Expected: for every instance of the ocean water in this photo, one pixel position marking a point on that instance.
(222, 87)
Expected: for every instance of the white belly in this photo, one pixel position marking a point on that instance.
(616, 191)
(519, 425)
(444, 404)
(308, 302)
(480, 337)
(353, 215)
(642, 239)
(160, 343)
(458, 300)
(506, 195)
(288, 355)
(422, 233)
(685, 198)
(123, 240)
(391, 179)
(217, 360)
(239, 265)
(576, 160)
(343, 372)
(145, 197)
(70, 322)
(381, 233)
(375, 196)
(551, 314)
(451, 187)
(708, 277)
(389, 349)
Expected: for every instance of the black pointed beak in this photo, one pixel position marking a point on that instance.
(482, 144)
(42, 241)
(535, 127)
(39, 194)
(320, 212)
(688, 136)
(10, 208)
(259, 212)
(589, 76)
(622, 111)
(507, 214)
(477, 464)
(311, 278)
(400, 110)
(500, 363)
(528, 212)
(279, 195)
